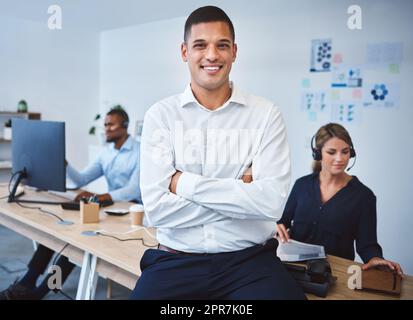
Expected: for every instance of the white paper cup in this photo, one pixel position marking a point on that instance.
(136, 215)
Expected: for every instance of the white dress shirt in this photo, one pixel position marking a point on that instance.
(214, 210)
(120, 168)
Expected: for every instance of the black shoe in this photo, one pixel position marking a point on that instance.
(17, 292)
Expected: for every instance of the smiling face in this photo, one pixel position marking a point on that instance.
(335, 156)
(210, 52)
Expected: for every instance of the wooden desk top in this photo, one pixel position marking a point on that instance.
(340, 291)
(126, 255)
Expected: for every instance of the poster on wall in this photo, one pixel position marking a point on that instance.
(381, 95)
(346, 77)
(346, 112)
(321, 55)
(384, 54)
(314, 101)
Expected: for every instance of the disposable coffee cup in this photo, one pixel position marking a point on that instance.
(136, 215)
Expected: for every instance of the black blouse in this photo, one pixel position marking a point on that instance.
(350, 215)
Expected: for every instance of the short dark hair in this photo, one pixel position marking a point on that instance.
(207, 14)
(118, 110)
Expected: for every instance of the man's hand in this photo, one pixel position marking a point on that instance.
(174, 181)
(104, 197)
(83, 194)
(247, 177)
(101, 197)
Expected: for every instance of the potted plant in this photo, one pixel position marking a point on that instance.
(92, 130)
(7, 130)
(22, 106)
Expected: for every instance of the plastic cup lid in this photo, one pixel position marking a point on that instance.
(136, 208)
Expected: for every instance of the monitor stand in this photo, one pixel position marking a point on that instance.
(13, 198)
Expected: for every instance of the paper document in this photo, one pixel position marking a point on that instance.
(299, 251)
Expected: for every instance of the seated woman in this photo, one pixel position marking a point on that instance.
(330, 207)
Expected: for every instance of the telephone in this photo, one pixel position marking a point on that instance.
(314, 277)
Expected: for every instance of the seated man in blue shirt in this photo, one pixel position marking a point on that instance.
(119, 163)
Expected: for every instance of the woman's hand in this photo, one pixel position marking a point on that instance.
(283, 233)
(376, 262)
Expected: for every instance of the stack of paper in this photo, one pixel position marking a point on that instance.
(299, 251)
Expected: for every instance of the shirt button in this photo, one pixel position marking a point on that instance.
(321, 208)
(314, 222)
(209, 236)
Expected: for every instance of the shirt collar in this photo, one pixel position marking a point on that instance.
(127, 145)
(237, 97)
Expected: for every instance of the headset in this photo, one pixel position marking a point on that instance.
(125, 124)
(121, 113)
(317, 152)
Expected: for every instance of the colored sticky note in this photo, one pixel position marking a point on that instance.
(357, 93)
(335, 95)
(394, 68)
(306, 83)
(312, 116)
(337, 58)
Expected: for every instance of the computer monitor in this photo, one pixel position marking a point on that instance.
(38, 155)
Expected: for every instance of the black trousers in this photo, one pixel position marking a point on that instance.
(249, 274)
(40, 261)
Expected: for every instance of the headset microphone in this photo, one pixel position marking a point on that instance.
(354, 162)
(316, 152)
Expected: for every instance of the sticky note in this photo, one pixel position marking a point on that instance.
(312, 116)
(337, 58)
(394, 68)
(306, 83)
(335, 95)
(357, 94)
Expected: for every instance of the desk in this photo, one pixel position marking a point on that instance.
(119, 261)
(110, 258)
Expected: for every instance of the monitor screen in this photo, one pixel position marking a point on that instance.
(38, 147)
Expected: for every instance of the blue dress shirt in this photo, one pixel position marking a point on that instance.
(121, 169)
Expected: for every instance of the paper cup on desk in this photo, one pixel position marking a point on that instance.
(136, 215)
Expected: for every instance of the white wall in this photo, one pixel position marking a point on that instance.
(141, 64)
(56, 72)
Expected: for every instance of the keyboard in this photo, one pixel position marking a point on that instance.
(71, 206)
(74, 205)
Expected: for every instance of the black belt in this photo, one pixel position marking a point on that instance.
(170, 250)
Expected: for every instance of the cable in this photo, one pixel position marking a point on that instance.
(127, 232)
(59, 254)
(40, 209)
(130, 239)
(12, 177)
